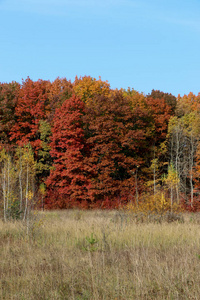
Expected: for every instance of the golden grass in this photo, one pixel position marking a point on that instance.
(99, 255)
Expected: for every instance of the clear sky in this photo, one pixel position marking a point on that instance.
(142, 44)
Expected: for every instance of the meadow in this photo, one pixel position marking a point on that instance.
(77, 255)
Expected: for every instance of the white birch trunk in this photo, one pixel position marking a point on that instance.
(27, 186)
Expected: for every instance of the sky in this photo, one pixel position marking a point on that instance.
(140, 44)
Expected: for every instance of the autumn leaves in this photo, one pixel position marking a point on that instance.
(89, 141)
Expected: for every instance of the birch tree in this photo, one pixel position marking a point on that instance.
(184, 135)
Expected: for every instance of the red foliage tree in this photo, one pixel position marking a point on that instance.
(59, 90)
(116, 136)
(67, 184)
(157, 109)
(31, 107)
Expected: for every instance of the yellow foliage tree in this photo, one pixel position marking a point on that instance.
(172, 182)
(87, 87)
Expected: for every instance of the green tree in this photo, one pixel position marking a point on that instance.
(44, 159)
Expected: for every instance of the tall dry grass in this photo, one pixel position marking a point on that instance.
(99, 255)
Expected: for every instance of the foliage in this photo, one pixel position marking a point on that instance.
(153, 207)
(68, 147)
(172, 178)
(30, 110)
(88, 87)
(94, 146)
(59, 90)
(8, 99)
(169, 99)
(17, 174)
(44, 160)
(115, 134)
(183, 134)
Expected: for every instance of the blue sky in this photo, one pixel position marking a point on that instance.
(140, 44)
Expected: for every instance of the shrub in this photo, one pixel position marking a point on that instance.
(154, 208)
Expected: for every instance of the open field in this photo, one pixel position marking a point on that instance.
(99, 255)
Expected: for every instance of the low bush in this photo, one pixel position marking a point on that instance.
(155, 208)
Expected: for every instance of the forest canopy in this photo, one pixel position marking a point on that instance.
(83, 144)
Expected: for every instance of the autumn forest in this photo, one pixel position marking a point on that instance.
(82, 144)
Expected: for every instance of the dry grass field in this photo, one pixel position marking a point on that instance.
(99, 255)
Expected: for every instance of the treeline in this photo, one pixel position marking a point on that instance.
(83, 144)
